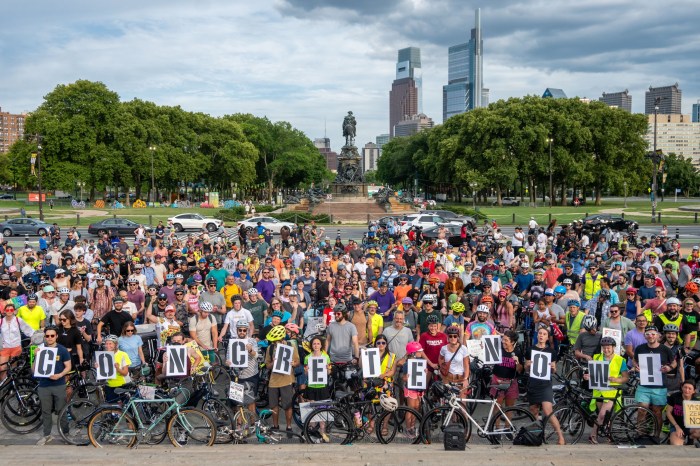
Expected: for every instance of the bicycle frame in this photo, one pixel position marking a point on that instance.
(131, 409)
(456, 405)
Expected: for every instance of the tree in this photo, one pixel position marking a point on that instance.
(682, 174)
(371, 176)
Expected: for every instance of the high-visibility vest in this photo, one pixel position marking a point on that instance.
(676, 321)
(591, 287)
(573, 326)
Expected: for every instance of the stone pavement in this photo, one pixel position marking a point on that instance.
(365, 455)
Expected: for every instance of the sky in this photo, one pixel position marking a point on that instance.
(311, 61)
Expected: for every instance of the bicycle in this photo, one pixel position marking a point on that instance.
(20, 408)
(621, 424)
(131, 425)
(500, 424)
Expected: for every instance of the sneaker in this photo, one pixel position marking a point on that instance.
(44, 440)
(325, 438)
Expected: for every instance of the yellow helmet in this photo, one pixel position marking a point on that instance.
(457, 307)
(276, 333)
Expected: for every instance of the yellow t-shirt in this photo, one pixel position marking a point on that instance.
(121, 358)
(193, 344)
(376, 321)
(32, 317)
(228, 291)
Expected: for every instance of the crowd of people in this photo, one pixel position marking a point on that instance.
(539, 289)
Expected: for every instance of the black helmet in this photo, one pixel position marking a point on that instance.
(607, 341)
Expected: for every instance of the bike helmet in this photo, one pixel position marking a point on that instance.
(206, 306)
(32, 297)
(252, 291)
(277, 333)
(388, 403)
(179, 275)
(589, 322)
(294, 328)
(242, 323)
(63, 290)
(482, 308)
(604, 294)
(457, 307)
(429, 298)
(607, 341)
(112, 338)
(673, 301)
(560, 289)
(170, 276)
(487, 299)
(671, 328)
(691, 287)
(341, 308)
(372, 303)
(573, 302)
(452, 330)
(432, 319)
(413, 346)
(132, 280)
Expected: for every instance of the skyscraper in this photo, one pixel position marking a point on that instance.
(465, 75)
(11, 129)
(406, 90)
(696, 112)
(621, 100)
(668, 97)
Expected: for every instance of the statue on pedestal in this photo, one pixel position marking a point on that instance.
(349, 167)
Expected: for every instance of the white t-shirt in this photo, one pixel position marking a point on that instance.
(457, 364)
(233, 316)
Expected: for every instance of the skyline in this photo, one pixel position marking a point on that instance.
(307, 63)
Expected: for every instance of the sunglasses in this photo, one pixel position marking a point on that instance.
(162, 299)
(338, 313)
(129, 330)
(453, 336)
(380, 343)
(63, 319)
(50, 336)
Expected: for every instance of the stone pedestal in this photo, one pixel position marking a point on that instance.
(347, 190)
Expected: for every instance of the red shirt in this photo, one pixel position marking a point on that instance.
(432, 345)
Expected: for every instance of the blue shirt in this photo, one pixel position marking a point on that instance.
(130, 345)
(61, 357)
(523, 281)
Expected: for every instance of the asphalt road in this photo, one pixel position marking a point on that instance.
(688, 234)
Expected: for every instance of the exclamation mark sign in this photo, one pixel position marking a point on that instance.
(650, 370)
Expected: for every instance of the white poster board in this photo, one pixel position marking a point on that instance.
(317, 370)
(238, 353)
(371, 365)
(283, 359)
(417, 374)
(176, 365)
(650, 370)
(617, 336)
(476, 349)
(45, 362)
(493, 353)
(106, 370)
(599, 375)
(541, 365)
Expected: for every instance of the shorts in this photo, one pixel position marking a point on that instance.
(209, 355)
(250, 389)
(281, 396)
(413, 394)
(538, 395)
(11, 352)
(511, 393)
(651, 396)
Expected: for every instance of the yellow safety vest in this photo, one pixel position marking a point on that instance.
(614, 371)
(387, 363)
(592, 286)
(677, 321)
(573, 327)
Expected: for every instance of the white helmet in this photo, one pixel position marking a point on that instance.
(482, 308)
(388, 403)
(63, 290)
(206, 306)
(673, 301)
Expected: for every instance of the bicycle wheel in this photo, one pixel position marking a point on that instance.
(575, 375)
(402, 425)
(222, 416)
(632, 423)
(296, 410)
(328, 425)
(73, 421)
(220, 381)
(504, 425)
(243, 423)
(111, 427)
(433, 425)
(21, 412)
(571, 421)
(191, 427)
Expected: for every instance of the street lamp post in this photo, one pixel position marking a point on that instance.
(153, 179)
(625, 184)
(473, 186)
(551, 193)
(36, 161)
(656, 164)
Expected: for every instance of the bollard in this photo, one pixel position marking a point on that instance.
(6, 218)
(150, 218)
(550, 217)
(678, 233)
(623, 215)
(658, 217)
(77, 220)
(586, 214)
(331, 219)
(513, 218)
(114, 216)
(696, 217)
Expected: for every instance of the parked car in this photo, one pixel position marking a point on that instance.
(511, 201)
(119, 226)
(270, 223)
(382, 222)
(454, 234)
(452, 217)
(425, 221)
(195, 222)
(612, 222)
(24, 226)
(6, 197)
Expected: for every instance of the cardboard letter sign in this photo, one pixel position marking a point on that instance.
(177, 361)
(417, 375)
(45, 363)
(541, 367)
(238, 353)
(283, 359)
(318, 370)
(105, 365)
(371, 365)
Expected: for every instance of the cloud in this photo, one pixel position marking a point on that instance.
(310, 61)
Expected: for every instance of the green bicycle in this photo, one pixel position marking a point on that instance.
(129, 426)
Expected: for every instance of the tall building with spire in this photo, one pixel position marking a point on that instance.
(405, 97)
(465, 77)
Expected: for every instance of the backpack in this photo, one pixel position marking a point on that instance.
(530, 435)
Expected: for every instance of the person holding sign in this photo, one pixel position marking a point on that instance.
(317, 391)
(507, 371)
(52, 385)
(680, 434)
(387, 361)
(539, 389)
(653, 360)
(617, 374)
(121, 364)
(281, 386)
(248, 376)
(412, 380)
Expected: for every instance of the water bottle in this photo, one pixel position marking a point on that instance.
(358, 419)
